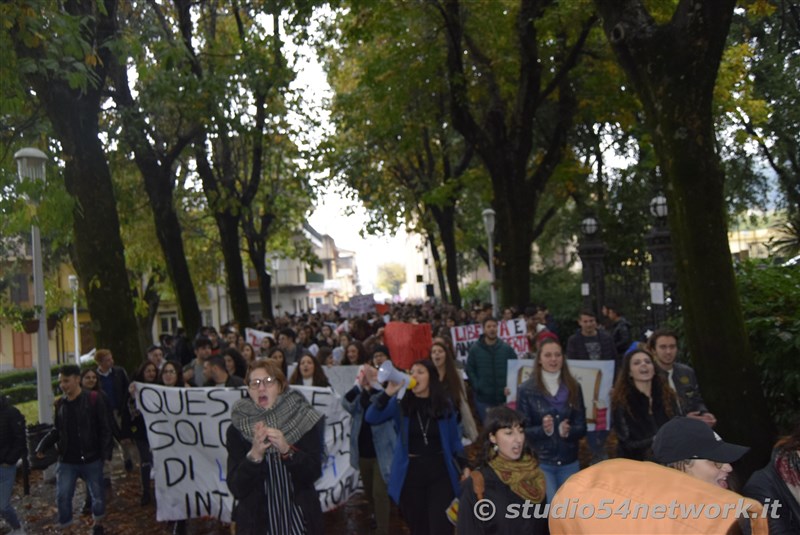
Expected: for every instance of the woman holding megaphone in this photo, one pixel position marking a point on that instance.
(428, 455)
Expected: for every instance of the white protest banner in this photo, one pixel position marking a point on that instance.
(187, 430)
(519, 371)
(362, 304)
(341, 378)
(344, 311)
(596, 378)
(513, 332)
(254, 336)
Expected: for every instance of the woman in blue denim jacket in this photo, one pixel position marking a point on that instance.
(371, 445)
(425, 477)
(552, 403)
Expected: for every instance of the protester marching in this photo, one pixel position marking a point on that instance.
(423, 411)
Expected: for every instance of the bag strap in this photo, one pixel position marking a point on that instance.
(478, 483)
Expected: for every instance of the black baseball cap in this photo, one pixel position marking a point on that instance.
(687, 438)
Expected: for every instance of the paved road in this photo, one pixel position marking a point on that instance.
(126, 517)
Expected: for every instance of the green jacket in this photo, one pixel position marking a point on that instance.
(487, 370)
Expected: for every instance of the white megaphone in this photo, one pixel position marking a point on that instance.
(387, 372)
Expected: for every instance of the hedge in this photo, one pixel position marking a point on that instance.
(20, 385)
(20, 393)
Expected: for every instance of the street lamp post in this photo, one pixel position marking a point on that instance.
(31, 166)
(592, 251)
(488, 222)
(73, 286)
(662, 270)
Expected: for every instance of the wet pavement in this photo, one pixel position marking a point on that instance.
(125, 516)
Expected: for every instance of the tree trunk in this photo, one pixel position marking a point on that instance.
(99, 251)
(258, 257)
(437, 264)
(228, 226)
(157, 173)
(152, 298)
(519, 157)
(673, 69)
(445, 220)
(168, 230)
(514, 239)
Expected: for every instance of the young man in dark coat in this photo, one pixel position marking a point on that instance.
(82, 435)
(12, 448)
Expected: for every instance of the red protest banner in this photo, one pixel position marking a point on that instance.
(407, 342)
(381, 308)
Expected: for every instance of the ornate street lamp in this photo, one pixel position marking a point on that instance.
(488, 223)
(589, 226)
(592, 251)
(662, 269)
(658, 207)
(31, 166)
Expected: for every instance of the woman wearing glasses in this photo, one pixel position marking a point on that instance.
(274, 456)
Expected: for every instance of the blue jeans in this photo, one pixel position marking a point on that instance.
(66, 475)
(8, 474)
(597, 443)
(555, 475)
(483, 408)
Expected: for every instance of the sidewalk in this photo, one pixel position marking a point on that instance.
(124, 515)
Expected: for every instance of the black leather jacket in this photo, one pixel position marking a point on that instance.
(686, 386)
(12, 429)
(93, 435)
(535, 405)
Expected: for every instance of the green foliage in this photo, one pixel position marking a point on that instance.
(16, 377)
(476, 292)
(30, 411)
(560, 290)
(770, 301)
(756, 109)
(391, 277)
(20, 393)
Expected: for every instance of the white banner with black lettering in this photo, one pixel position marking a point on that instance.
(186, 428)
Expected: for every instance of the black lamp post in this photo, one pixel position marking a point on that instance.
(592, 251)
(662, 267)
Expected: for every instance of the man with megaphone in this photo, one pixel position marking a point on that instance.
(428, 456)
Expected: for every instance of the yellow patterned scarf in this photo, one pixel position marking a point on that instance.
(524, 476)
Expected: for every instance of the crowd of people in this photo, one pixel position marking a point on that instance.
(407, 443)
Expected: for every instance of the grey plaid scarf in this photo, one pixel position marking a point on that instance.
(291, 413)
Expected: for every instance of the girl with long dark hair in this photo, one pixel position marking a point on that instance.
(445, 362)
(147, 373)
(425, 472)
(235, 364)
(508, 473)
(279, 356)
(642, 403)
(309, 372)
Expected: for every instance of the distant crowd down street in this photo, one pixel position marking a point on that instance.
(466, 422)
